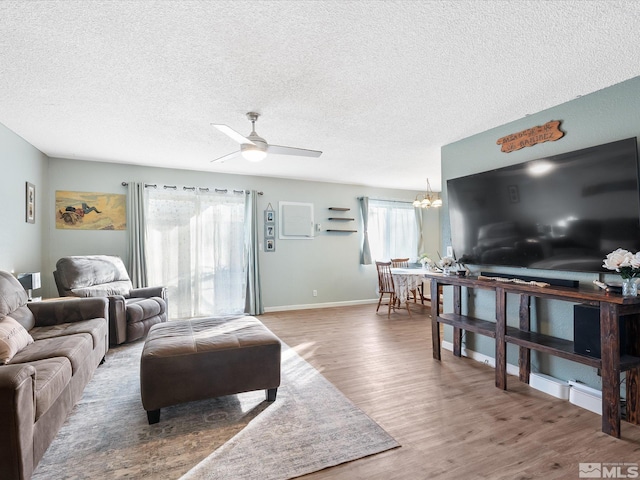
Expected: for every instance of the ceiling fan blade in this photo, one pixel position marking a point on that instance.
(232, 133)
(301, 152)
(226, 157)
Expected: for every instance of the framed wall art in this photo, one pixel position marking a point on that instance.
(269, 229)
(90, 211)
(30, 205)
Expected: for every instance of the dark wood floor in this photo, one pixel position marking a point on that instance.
(450, 419)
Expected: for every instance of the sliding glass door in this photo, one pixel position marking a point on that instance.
(196, 249)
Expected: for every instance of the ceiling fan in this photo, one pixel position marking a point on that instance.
(254, 148)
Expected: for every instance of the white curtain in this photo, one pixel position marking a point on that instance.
(392, 230)
(195, 241)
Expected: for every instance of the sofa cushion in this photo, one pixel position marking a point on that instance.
(13, 338)
(103, 290)
(52, 377)
(96, 327)
(13, 300)
(77, 272)
(77, 348)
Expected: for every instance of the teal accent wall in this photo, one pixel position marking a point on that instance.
(601, 117)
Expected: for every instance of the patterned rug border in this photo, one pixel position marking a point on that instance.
(244, 457)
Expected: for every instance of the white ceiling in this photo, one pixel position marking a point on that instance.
(378, 86)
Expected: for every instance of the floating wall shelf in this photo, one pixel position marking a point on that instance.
(341, 219)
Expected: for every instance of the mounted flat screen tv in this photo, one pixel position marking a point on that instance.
(564, 212)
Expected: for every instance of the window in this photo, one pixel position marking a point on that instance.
(392, 230)
(197, 240)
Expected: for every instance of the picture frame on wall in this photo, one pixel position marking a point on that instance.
(270, 216)
(270, 245)
(30, 203)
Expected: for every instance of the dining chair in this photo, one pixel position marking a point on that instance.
(386, 286)
(404, 263)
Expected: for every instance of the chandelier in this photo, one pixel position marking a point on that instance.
(428, 199)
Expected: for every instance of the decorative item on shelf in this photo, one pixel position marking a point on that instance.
(628, 265)
(426, 262)
(428, 199)
(447, 264)
(30, 282)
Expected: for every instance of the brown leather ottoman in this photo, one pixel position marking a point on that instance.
(195, 359)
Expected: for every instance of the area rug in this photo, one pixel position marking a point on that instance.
(311, 426)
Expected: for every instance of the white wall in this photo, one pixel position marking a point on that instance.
(329, 263)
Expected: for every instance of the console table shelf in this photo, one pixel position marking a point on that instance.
(469, 323)
(611, 364)
(552, 345)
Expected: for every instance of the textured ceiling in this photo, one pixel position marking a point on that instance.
(378, 86)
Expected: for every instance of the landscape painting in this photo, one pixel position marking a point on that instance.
(90, 211)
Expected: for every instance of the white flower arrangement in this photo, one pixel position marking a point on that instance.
(447, 262)
(424, 259)
(624, 262)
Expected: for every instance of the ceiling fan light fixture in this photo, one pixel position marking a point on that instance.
(253, 154)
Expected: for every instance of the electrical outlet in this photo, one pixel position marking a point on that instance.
(315, 293)
(449, 251)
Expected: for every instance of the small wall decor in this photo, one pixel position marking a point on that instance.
(269, 229)
(549, 132)
(270, 245)
(30, 203)
(90, 211)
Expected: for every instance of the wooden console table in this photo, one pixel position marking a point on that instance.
(611, 363)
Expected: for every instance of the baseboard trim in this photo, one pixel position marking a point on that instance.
(482, 358)
(310, 306)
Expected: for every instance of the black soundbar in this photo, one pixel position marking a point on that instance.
(558, 282)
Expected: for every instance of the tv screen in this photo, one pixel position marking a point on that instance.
(564, 212)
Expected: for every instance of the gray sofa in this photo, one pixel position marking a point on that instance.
(42, 382)
(132, 311)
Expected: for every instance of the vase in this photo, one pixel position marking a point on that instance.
(446, 270)
(629, 287)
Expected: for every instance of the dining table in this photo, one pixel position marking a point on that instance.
(406, 280)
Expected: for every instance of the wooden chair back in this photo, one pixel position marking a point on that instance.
(385, 279)
(399, 263)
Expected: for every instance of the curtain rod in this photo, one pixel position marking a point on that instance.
(202, 189)
(385, 200)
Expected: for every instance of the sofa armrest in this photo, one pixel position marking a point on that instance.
(117, 320)
(148, 292)
(68, 310)
(17, 413)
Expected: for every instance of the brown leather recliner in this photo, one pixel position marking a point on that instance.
(132, 311)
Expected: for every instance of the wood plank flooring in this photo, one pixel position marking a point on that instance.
(450, 419)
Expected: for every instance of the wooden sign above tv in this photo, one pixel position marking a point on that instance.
(549, 132)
